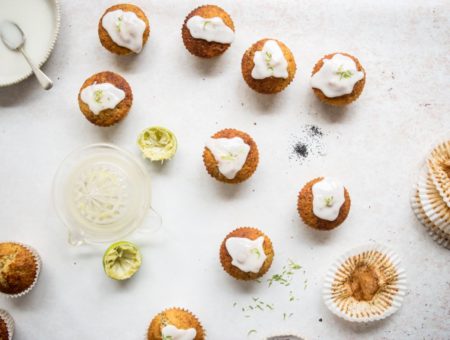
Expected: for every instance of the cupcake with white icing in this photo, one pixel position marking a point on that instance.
(323, 203)
(124, 29)
(268, 66)
(207, 31)
(231, 156)
(175, 324)
(246, 253)
(105, 98)
(338, 79)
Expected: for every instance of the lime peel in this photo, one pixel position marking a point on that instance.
(157, 143)
(122, 260)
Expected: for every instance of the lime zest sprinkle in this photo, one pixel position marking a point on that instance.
(98, 96)
(206, 23)
(347, 74)
(119, 23)
(167, 337)
(329, 201)
(256, 252)
(268, 59)
(252, 331)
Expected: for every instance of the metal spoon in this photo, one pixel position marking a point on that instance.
(14, 38)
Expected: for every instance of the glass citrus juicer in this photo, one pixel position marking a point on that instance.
(102, 193)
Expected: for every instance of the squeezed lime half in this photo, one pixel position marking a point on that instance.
(157, 143)
(122, 260)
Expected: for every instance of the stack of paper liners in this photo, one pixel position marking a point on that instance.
(430, 200)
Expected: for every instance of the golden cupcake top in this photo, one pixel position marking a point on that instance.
(18, 268)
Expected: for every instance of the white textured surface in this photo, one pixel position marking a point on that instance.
(375, 147)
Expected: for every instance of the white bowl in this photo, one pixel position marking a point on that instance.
(39, 20)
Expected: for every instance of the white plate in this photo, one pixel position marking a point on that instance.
(39, 20)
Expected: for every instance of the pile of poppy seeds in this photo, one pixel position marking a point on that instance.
(308, 143)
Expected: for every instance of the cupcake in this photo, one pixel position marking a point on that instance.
(439, 168)
(207, 31)
(323, 203)
(231, 156)
(365, 284)
(123, 29)
(338, 79)
(105, 98)
(6, 325)
(268, 66)
(175, 323)
(157, 143)
(19, 268)
(246, 253)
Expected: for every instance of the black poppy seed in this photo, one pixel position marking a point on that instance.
(315, 131)
(301, 149)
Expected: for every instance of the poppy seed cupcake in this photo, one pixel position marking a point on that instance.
(207, 31)
(268, 66)
(323, 203)
(105, 98)
(6, 325)
(19, 269)
(338, 79)
(231, 156)
(175, 323)
(123, 29)
(246, 253)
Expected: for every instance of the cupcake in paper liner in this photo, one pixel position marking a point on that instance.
(439, 167)
(432, 203)
(175, 323)
(6, 325)
(19, 269)
(365, 284)
(436, 234)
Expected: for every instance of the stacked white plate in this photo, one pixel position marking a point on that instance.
(430, 199)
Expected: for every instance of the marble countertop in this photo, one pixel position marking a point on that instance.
(375, 146)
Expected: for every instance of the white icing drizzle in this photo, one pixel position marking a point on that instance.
(337, 76)
(210, 29)
(102, 96)
(270, 62)
(328, 197)
(230, 154)
(178, 334)
(248, 255)
(125, 29)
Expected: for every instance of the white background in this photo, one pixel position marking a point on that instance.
(375, 146)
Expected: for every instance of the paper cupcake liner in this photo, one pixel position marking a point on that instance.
(38, 262)
(7, 318)
(438, 162)
(384, 304)
(436, 234)
(435, 208)
(178, 309)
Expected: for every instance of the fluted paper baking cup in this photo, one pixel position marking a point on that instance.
(436, 234)
(432, 203)
(390, 278)
(38, 262)
(9, 321)
(439, 167)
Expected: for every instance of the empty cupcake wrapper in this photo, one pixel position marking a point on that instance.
(9, 321)
(38, 270)
(432, 203)
(436, 234)
(385, 304)
(438, 165)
